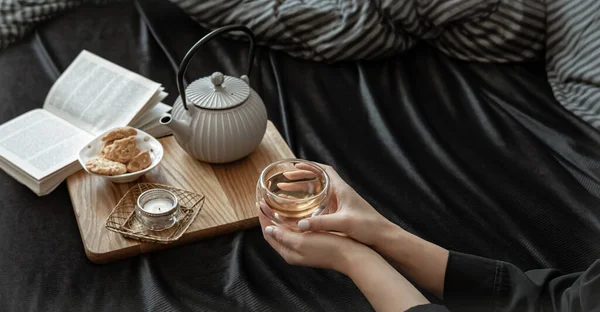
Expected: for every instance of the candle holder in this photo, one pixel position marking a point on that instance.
(127, 221)
(157, 209)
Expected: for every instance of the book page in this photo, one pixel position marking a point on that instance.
(155, 100)
(97, 95)
(151, 117)
(150, 124)
(40, 143)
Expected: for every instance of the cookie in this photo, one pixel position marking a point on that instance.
(105, 166)
(119, 133)
(140, 162)
(120, 150)
(106, 149)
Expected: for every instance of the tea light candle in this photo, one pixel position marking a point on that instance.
(157, 209)
(158, 205)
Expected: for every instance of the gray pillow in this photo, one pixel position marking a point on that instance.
(17, 17)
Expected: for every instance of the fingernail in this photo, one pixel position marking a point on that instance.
(303, 225)
(269, 230)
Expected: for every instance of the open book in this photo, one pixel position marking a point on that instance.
(39, 148)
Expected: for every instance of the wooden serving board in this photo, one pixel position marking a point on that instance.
(229, 189)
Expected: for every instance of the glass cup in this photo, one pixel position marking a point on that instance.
(291, 190)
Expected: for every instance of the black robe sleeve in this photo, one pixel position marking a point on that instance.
(428, 308)
(478, 284)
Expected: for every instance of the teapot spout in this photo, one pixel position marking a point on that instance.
(180, 128)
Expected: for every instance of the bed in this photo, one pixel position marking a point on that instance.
(478, 158)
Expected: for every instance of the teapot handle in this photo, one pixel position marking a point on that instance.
(188, 56)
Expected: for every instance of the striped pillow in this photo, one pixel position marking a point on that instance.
(472, 30)
(573, 56)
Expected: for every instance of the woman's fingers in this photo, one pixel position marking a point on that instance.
(330, 222)
(283, 236)
(289, 255)
(300, 186)
(284, 242)
(270, 234)
(308, 167)
(333, 175)
(264, 221)
(300, 174)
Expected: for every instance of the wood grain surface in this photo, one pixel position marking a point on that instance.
(229, 190)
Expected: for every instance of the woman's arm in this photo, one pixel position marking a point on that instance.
(422, 261)
(382, 285)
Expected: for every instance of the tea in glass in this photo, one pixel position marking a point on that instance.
(291, 190)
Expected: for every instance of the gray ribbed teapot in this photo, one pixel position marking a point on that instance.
(217, 119)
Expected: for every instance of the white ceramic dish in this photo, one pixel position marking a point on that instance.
(143, 141)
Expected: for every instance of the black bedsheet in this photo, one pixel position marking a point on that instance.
(477, 158)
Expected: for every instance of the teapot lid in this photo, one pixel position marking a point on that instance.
(218, 92)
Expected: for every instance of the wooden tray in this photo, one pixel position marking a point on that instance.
(229, 190)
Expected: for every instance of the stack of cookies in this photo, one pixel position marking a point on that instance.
(119, 154)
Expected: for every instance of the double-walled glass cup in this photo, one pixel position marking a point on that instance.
(291, 190)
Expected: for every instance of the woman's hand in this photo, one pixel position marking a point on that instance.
(349, 213)
(421, 260)
(382, 285)
(319, 250)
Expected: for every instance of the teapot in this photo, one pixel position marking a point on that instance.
(217, 119)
